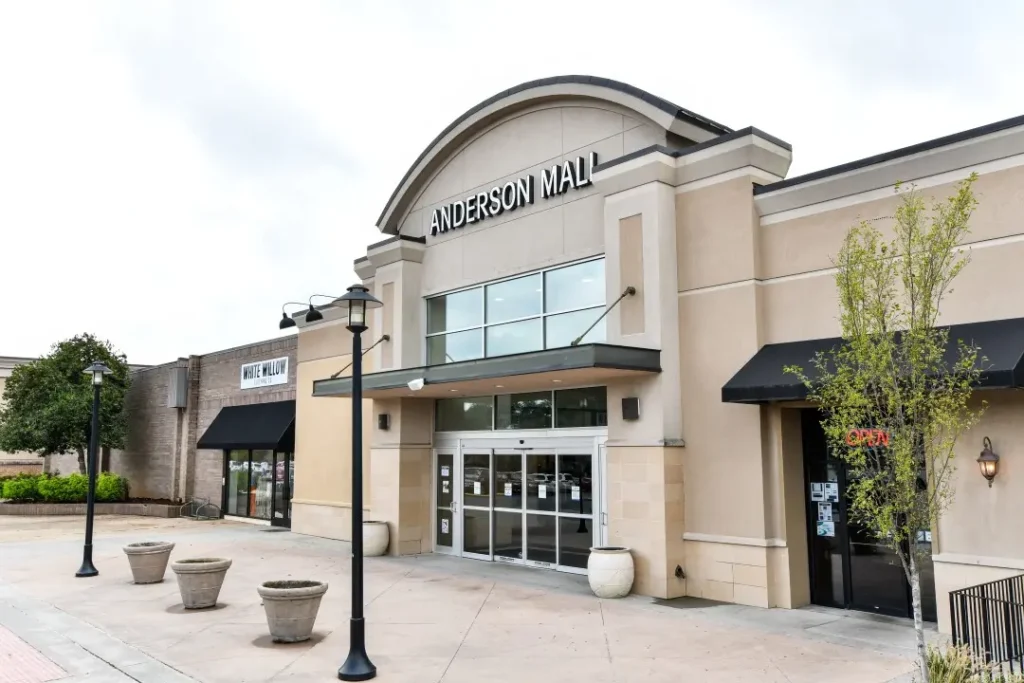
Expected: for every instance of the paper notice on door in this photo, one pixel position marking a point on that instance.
(508, 489)
(542, 491)
(817, 491)
(575, 492)
(444, 486)
(444, 470)
(444, 526)
(832, 492)
(826, 529)
(824, 512)
(476, 488)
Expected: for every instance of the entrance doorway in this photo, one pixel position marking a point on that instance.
(849, 567)
(259, 484)
(531, 502)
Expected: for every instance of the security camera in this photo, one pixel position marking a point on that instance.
(416, 384)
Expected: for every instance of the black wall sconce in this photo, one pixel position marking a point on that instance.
(631, 408)
(988, 461)
(383, 421)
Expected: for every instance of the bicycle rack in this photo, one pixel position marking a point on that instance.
(200, 509)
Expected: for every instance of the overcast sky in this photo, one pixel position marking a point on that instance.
(172, 172)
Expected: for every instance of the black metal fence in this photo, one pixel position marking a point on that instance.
(989, 618)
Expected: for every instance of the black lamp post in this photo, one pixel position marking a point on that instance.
(96, 370)
(357, 666)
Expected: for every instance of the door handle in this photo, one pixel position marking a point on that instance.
(453, 507)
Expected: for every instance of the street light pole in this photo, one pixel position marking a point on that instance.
(357, 666)
(97, 370)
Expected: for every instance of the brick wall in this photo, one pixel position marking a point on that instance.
(219, 387)
(149, 454)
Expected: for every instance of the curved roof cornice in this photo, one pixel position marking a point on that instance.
(669, 116)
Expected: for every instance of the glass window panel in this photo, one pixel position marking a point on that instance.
(575, 536)
(577, 286)
(523, 411)
(448, 348)
(237, 484)
(510, 338)
(561, 329)
(455, 311)
(541, 533)
(508, 481)
(476, 480)
(575, 484)
(463, 414)
(262, 484)
(476, 532)
(581, 407)
(514, 299)
(540, 482)
(508, 534)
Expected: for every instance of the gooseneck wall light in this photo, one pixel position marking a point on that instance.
(97, 370)
(988, 461)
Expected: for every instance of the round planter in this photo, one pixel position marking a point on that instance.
(610, 571)
(148, 560)
(375, 538)
(291, 608)
(199, 580)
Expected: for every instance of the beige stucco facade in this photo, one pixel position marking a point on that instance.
(725, 256)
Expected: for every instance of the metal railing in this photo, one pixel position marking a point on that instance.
(989, 618)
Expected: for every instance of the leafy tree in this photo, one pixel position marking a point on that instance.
(896, 372)
(47, 403)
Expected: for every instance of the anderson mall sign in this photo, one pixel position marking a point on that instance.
(559, 179)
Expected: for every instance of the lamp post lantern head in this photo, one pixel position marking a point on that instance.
(313, 315)
(988, 461)
(97, 370)
(357, 301)
(286, 321)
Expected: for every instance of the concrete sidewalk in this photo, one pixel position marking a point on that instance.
(429, 619)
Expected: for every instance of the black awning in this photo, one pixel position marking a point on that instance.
(269, 426)
(762, 380)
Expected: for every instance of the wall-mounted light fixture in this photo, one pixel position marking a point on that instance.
(988, 461)
(383, 421)
(631, 408)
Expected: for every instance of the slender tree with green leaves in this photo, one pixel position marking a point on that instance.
(47, 403)
(897, 372)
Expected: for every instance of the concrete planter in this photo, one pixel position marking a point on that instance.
(610, 571)
(375, 538)
(291, 608)
(199, 580)
(148, 560)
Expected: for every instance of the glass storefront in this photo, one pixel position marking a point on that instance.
(543, 310)
(562, 409)
(258, 484)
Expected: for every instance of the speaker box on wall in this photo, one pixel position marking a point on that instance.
(631, 408)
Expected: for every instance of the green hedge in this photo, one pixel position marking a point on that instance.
(110, 488)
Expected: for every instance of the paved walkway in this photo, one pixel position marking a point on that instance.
(430, 619)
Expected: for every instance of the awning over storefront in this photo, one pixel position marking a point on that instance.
(588, 363)
(269, 426)
(762, 379)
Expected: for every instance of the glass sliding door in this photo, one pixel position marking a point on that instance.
(508, 506)
(476, 504)
(236, 483)
(575, 508)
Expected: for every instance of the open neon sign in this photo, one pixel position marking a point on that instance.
(867, 437)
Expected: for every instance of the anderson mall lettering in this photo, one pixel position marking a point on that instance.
(559, 179)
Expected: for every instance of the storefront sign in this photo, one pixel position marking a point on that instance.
(265, 373)
(515, 194)
(867, 437)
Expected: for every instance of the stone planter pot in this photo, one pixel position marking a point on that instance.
(199, 580)
(148, 560)
(610, 571)
(375, 538)
(291, 608)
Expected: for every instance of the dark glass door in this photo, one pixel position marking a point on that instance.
(849, 567)
(284, 478)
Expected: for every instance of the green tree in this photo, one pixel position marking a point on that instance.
(897, 372)
(47, 403)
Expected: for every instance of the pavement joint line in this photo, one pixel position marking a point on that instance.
(466, 634)
(54, 623)
(604, 630)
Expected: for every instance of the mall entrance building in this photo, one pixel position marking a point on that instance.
(589, 294)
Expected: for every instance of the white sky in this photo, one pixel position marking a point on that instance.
(172, 172)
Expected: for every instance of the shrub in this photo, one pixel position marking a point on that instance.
(111, 488)
(21, 487)
(956, 665)
(70, 489)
